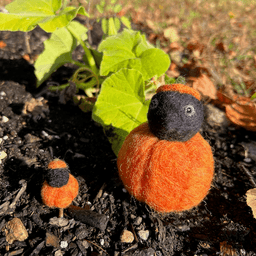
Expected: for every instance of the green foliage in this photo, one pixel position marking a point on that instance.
(253, 96)
(57, 51)
(130, 49)
(121, 105)
(25, 15)
(119, 72)
(111, 25)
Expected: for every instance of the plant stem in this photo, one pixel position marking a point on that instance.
(26, 35)
(88, 23)
(79, 64)
(86, 50)
(61, 212)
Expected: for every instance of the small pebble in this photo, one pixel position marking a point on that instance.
(60, 222)
(250, 148)
(15, 230)
(81, 233)
(124, 190)
(183, 228)
(138, 221)
(102, 241)
(105, 194)
(143, 234)
(5, 137)
(5, 119)
(85, 244)
(247, 160)
(31, 138)
(58, 253)
(127, 236)
(2, 155)
(133, 216)
(63, 244)
(216, 117)
(2, 93)
(51, 240)
(149, 252)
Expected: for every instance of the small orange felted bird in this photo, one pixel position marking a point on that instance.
(60, 187)
(165, 162)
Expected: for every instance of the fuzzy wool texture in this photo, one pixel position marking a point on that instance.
(57, 177)
(62, 197)
(167, 175)
(170, 174)
(175, 116)
(57, 163)
(57, 174)
(179, 88)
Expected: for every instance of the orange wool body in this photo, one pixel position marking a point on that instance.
(60, 197)
(166, 175)
(56, 164)
(179, 88)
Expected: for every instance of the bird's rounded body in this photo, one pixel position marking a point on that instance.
(60, 188)
(166, 175)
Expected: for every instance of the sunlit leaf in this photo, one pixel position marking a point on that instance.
(121, 105)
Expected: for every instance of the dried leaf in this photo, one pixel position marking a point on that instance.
(204, 85)
(171, 33)
(226, 94)
(251, 200)
(221, 47)
(194, 45)
(223, 98)
(173, 70)
(242, 113)
(227, 250)
(174, 46)
(26, 57)
(2, 44)
(151, 24)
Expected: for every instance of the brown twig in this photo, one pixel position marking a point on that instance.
(249, 175)
(22, 190)
(97, 246)
(26, 36)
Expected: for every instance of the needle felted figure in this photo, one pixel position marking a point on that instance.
(165, 162)
(60, 187)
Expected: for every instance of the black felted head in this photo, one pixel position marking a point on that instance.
(57, 177)
(175, 116)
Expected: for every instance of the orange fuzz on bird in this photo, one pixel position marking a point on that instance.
(165, 162)
(60, 187)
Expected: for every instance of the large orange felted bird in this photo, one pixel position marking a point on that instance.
(165, 162)
(60, 187)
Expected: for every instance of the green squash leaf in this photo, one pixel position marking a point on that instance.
(62, 19)
(126, 22)
(111, 27)
(154, 62)
(58, 51)
(130, 49)
(104, 25)
(121, 105)
(25, 15)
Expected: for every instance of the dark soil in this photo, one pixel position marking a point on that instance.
(222, 224)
